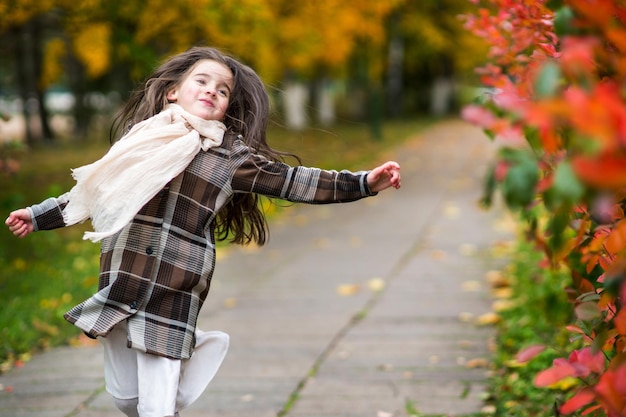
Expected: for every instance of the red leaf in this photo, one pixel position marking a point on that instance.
(605, 171)
(620, 322)
(612, 389)
(479, 116)
(561, 369)
(578, 401)
(591, 410)
(529, 353)
(588, 359)
(616, 241)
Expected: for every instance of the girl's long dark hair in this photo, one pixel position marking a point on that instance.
(242, 220)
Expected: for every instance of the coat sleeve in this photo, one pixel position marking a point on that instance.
(255, 174)
(48, 215)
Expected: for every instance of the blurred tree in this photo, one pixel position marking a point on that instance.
(21, 33)
(397, 46)
(437, 51)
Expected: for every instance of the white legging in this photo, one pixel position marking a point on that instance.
(146, 385)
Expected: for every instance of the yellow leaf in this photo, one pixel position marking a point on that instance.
(230, 302)
(451, 211)
(466, 317)
(502, 305)
(376, 284)
(497, 279)
(92, 46)
(471, 286)
(347, 289)
(488, 319)
(565, 384)
(438, 255)
(467, 249)
(477, 363)
(502, 293)
(512, 363)
(321, 243)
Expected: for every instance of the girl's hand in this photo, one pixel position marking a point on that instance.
(20, 223)
(384, 176)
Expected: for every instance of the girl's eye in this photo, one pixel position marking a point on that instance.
(223, 92)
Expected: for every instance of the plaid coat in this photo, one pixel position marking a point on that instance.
(156, 272)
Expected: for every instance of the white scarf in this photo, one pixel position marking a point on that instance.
(112, 190)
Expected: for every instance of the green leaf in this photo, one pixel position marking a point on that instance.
(566, 183)
(587, 311)
(563, 21)
(521, 180)
(566, 189)
(548, 81)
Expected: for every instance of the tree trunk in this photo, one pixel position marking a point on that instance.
(395, 70)
(22, 80)
(28, 59)
(40, 94)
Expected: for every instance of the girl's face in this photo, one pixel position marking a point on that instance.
(205, 91)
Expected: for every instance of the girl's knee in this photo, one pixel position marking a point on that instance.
(127, 406)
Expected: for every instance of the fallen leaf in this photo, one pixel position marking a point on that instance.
(467, 249)
(451, 211)
(488, 319)
(502, 305)
(230, 302)
(438, 255)
(496, 279)
(347, 289)
(466, 317)
(477, 363)
(301, 220)
(376, 284)
(502, 293)
(321, 243)
(356, 242)
(465, 344)
(471, 286)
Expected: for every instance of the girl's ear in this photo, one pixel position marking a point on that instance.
(172, 95)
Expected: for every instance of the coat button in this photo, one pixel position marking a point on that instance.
(133, 305)
(149, 250)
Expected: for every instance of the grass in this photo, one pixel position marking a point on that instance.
(47, 273)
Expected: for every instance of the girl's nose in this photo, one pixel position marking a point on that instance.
(211, 89)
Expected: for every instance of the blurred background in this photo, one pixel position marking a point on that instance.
(67, 64)
(358, 77)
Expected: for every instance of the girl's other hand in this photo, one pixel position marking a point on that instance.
(20, 222)
(384, 176)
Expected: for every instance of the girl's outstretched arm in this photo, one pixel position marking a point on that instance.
(20, 222)
(384, 176)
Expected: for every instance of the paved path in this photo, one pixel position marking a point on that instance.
(356, 310)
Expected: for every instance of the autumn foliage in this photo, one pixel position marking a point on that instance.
(555, 100)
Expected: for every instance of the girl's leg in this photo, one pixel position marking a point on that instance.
(120, 370)
(158, 385)
(197, 372)
(128, 407)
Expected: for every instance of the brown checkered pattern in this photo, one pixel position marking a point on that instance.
(156, 271)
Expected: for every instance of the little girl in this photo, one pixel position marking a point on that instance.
(190, 166)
